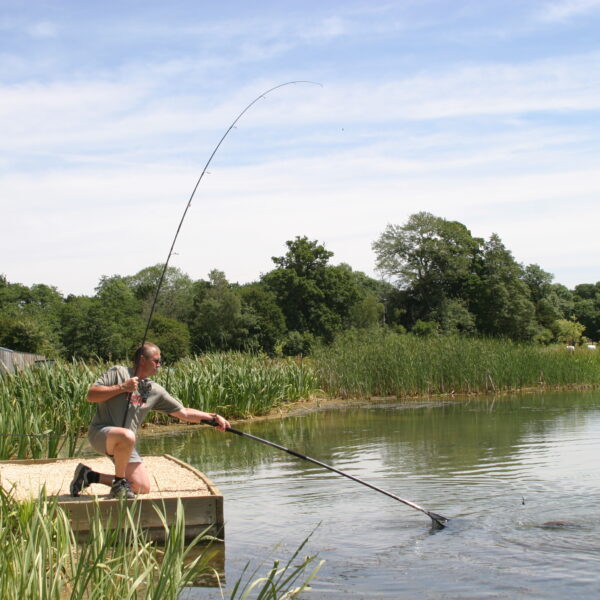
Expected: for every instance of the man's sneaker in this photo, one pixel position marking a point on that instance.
(120, 489)
(80, 479)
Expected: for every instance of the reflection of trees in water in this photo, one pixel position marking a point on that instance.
(415, 439)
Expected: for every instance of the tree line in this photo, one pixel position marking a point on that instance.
(436, 279)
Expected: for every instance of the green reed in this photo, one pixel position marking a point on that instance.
(41, 557)
(43, 409)
(380, 363)
(44, 413)
(237, 384)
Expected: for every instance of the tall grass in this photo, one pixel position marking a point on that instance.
(239, 385)
(41, 558)
(43, 410)
(380, 363)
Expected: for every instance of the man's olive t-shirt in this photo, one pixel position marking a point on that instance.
(150, 396)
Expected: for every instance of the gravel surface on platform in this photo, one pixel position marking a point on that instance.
(167, 478)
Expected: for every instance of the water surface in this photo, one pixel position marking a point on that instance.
(499, 469)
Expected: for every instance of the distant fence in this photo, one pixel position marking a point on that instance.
(11, 361)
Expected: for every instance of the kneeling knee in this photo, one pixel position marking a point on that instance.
(127, 437)
(140, 488)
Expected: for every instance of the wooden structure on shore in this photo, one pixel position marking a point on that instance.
(172, 481)
(11, 360)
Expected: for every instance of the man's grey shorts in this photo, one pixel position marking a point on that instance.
(97, 439)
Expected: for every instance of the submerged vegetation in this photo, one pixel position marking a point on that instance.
(42, 558)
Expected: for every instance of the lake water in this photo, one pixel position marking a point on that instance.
(499, 469)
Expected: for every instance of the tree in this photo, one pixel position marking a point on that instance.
(261, 317)
(114, 319)
(77, 327)
(538, 281)
(430, 258)
(503, 305)
(367, 312)
(568, 332)
(217, 323)
(24, 334)
(171, 336)
(454, 316)
(29, 317)
(315, 297)
(175, 296)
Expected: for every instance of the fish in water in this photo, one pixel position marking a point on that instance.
(558, 524)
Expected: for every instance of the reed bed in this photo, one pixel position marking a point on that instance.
(237, 384)
(380, 363)
(43, 411)
(41, 558)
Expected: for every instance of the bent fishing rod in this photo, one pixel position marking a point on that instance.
(437, 521)
(189, 203)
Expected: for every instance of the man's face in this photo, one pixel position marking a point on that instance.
(151, 363)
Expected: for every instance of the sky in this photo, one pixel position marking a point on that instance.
(484, 112)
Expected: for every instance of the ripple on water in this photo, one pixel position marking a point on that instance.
(498, 474)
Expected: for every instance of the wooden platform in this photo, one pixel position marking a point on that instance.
(171, 480)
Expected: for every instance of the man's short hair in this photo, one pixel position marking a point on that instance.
(144, 350)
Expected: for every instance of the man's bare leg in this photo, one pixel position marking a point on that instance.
(138, 478)
(119, 444)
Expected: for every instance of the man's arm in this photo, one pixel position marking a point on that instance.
(102, 393)
(191, 415)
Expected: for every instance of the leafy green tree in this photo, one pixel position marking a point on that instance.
(114, 319)
(261, 317)
(552, 301)
(454, 316)
(366, 313)
(176, 294)
(314, 296)
(77, 328)
(538, 281)
(503, 306)
(425, 328)
(297, 344)
(29, 318)
(432, 259)
(586, 308)
(568, 331)
(25, 334)
(171, 336)
(217, 322)
(587, 291)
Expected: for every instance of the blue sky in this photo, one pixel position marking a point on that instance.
(486, 112)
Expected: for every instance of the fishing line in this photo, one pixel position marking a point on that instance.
(189, 203)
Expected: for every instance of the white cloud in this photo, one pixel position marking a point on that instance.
(42, 29)
(97, 162)
(565, 9)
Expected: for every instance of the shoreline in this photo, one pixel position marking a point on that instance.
(317, 404)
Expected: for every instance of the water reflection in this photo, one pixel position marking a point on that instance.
(499, 468)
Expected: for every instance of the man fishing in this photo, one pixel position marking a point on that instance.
(123, 398)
